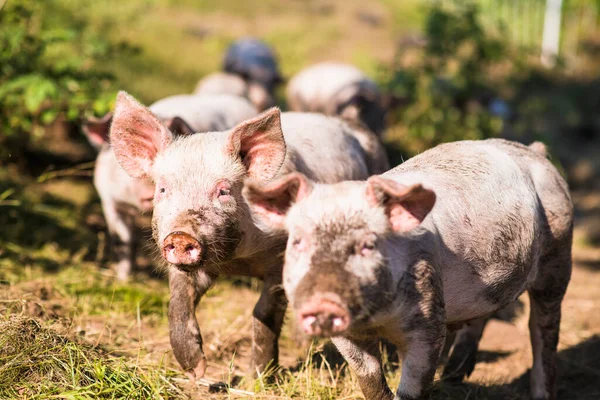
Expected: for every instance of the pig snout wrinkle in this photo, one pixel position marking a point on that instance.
(323, 317)
(181, 249)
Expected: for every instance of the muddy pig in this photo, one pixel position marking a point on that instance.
(338, 89)
(250, 69)
(201, 224)
(448, 237)
(123, 197)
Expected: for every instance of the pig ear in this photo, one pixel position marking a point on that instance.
(271, 202)
(178, 126)
(405, 206)
(137, 136)
(96, 129)
(260, 144)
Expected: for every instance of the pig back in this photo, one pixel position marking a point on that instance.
(323, 148)
(205, 113)
(314, 88)
(222, 82)
(488, 228)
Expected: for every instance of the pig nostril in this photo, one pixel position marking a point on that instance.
(169, 247)
(189, 248)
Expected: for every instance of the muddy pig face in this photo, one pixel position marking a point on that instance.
(337, 273)
(199, 216)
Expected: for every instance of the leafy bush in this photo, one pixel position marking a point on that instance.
(50, 67)
(446, 87)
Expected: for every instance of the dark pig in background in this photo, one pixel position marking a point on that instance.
(250, 70)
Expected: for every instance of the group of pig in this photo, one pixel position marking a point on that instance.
(419, 255)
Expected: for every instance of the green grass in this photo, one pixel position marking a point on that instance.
(38, 362)
(181, 41)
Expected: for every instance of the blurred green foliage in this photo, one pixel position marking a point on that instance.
(50, 67)
(447, 88)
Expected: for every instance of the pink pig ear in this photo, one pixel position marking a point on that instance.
(260, 144)
(137, 136)
(271, 202)
(96, 129)
(405, 206)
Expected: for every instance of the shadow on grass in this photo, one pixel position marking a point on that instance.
(578, 376)
(41, 222)
(487, 357)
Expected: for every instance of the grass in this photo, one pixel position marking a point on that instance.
(38, 362)
(181, 41)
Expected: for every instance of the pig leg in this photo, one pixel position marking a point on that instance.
(544, 322)
(364, 358)
(267, 321)
(450, 336)
(420, 362)
(462, 360)
(422, 331)
(121, 231)
(186, 290)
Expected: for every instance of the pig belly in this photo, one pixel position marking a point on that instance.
(469, 296)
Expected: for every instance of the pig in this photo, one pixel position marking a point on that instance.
(228, 83)
(448, 237)
(249, 69)
(253, 60)
(338, 89)
(202, 226)
(124, 197)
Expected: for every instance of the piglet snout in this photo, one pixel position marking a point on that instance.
(323, 317)
(181, 249)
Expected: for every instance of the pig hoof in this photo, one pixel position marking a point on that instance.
(219, 387)
(198, 371)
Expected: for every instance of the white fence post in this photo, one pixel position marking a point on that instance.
(551, 35)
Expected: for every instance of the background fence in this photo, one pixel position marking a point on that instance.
(523, 22)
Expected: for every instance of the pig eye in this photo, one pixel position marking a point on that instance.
(224, 192)
(367, 248)
(161, 190)
(298, 243)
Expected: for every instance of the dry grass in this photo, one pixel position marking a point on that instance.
(38, 362)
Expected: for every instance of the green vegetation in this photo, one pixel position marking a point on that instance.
(37, 362)
(50, 67)
(447, 88)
